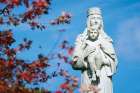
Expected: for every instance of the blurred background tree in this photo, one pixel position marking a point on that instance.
(20, 75)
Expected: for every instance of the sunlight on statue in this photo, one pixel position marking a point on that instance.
(94, 55)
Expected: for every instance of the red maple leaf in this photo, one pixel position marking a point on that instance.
(40, 3)
(1, 20)
(70, 50)
(11, 63)
(15, 2)
(58, 91)
(65, 85)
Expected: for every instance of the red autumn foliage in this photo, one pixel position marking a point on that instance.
(15, 2)
(16, 73)
(6, 38)
(41, 3)
(37, 25)
(35, 9)
(58, 91)
(70, 50)
(1, 20)
(65, 85)
(14, 21)
(62, 19)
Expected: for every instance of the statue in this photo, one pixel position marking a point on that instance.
(94, 55)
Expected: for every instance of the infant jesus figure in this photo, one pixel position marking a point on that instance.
(93, 55)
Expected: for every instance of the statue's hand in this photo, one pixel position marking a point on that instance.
(75, 59)
(78, 59)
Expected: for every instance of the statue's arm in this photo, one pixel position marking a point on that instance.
(79, 45)
(108, 49)
(109, 52)
(77, 63)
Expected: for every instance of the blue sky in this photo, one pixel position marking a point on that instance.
(121, 22)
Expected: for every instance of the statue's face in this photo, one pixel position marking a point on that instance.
(94, 26)
(93, 33)
(95, 20)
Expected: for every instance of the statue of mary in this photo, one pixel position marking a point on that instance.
(94, 55)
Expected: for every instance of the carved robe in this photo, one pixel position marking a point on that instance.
(108, 55)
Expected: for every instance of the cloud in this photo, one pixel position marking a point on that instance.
(128, 39)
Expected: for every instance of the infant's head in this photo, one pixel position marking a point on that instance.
(93, 33)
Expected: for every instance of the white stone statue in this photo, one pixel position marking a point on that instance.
(94, 54)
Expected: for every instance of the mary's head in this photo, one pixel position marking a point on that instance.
(95, 21)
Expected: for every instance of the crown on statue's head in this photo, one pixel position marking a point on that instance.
(94, 11)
